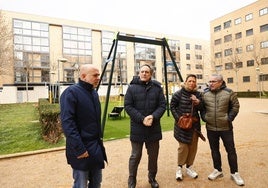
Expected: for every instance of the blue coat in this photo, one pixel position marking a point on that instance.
(144, 99)
(81, 124)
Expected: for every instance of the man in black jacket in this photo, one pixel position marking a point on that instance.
(81, 123)
(145, 104)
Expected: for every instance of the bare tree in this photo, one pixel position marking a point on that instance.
(6, 46)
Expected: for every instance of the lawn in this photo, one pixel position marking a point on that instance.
(20, 130)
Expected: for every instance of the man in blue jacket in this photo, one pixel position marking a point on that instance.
(81, 123)
(145, 104)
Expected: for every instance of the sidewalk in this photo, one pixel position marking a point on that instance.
(49, 170)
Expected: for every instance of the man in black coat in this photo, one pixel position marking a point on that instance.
(145, 104)
(81, 123)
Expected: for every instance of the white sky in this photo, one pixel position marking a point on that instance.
(188, 18)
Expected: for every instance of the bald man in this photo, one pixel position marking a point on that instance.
(81, 124)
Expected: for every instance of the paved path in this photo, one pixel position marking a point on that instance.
(49, 170)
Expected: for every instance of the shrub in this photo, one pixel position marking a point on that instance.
(49, 117)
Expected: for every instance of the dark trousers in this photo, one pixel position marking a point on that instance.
(228, 142)
(135, 157)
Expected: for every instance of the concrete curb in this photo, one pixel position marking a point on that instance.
(8, 156)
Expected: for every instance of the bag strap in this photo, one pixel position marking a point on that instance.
(192, 109)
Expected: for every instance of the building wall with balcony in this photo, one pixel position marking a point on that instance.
(239, 47)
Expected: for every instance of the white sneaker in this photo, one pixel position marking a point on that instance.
(215, 174)
(237, 179)
(179, 174)
(191, 172)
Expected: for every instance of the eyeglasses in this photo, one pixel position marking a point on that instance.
(213, 81)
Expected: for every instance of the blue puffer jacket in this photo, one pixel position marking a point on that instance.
(81, 123)
(181, 103)
(144, 99)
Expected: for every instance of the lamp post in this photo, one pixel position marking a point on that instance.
(258, 80)
(62, 60)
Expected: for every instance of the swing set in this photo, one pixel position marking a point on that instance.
(160, 42)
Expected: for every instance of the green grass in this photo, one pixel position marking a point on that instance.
(20, 130)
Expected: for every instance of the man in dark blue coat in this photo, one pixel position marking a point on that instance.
(145, 104)
(81, 123)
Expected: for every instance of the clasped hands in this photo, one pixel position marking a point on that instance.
(148, 120)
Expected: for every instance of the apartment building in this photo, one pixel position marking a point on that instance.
(239, 47)
(47, 53)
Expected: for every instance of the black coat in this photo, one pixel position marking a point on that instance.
(144, 99)
(181, 103)
(81, 124)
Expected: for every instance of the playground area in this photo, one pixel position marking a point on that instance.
(50, 170)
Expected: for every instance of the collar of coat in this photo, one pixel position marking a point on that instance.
(86, 85)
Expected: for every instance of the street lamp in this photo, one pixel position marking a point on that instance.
(62, 60)
(258, 80)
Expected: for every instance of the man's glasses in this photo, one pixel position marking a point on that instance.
(213, 81)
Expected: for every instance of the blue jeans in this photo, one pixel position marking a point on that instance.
(87, 179)
(228, 142)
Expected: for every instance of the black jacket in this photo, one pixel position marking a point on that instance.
(81, 123)
(181, 103)
(144, 99)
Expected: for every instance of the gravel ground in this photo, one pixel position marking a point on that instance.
(49, 170)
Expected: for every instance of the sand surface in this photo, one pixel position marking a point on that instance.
(49, 170)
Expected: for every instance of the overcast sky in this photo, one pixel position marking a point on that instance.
(188, 18)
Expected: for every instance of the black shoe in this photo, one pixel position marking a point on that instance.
(153, 183)
(131, 183)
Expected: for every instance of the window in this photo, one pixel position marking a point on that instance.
(187, 46)
(246, 78)
(198, 57)
(218, 68)
(263, 11)
(264, 61)
(198, 66)
(239, 50)
(217, 42)
(77, 48)
(188, 56)
(174, 46)
(230, 80)
(228, 38)
(264, 77)
(106, 44)
(264, 44)
(199, 76)
(31, 44)
(264, 28)
(238, 35)
(249, 32)
(198, 47)
(228, 66)
(227, 24)
(217, 28)
(237, 21)
(250, 63)
(188, 67)
(76, 41)
(249, 17)
(218, 55)
(249, 47)
(239, 64)
(228, 52)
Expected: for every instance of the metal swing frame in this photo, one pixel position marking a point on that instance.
(161, 42)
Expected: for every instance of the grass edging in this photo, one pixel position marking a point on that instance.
(23, 154)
